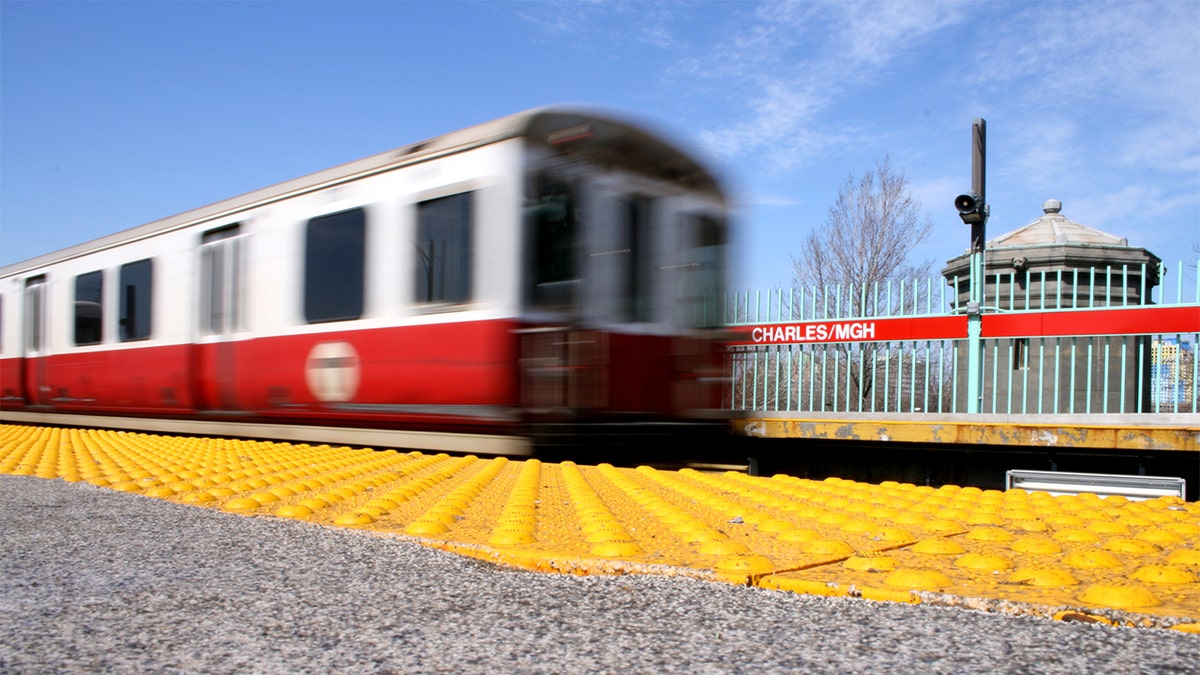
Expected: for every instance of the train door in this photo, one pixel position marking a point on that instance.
(699, 277)
(33, 377)
(221, 314)
(561, 361)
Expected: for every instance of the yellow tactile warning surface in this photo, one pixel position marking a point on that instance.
(1133, 563)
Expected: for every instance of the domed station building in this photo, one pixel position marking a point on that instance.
(1055, 263)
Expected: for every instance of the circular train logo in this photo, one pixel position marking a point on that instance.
(333, 372)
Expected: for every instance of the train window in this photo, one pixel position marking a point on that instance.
(221, 262)
(707, 284)
(35, 314)
(638, 231)
(136, 293)
(552, 227)
(335, 266)
(444, 249)
(709, 239)
(89, 308)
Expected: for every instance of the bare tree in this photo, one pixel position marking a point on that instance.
(871, 231)
(872, 228)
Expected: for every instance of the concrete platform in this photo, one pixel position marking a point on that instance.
(1126, 562)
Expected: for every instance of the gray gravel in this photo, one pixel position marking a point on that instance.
(94, 580)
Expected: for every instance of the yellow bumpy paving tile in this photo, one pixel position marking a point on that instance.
(1114, 560)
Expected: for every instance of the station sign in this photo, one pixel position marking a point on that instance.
(857, 330)
(1056, 323)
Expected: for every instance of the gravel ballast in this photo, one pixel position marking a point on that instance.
(93, 580)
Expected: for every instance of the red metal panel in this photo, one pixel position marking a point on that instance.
(1123, 321)
(204, 383)
(461, 363)
(11, 387)
(142, 379)
(641, 373)
(458, 364)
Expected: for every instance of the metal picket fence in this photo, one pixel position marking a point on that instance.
(1100, 340)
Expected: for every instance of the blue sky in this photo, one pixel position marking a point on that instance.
(117, 114)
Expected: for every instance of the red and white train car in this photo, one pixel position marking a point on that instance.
(538, 276)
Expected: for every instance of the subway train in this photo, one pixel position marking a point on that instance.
(540, 280)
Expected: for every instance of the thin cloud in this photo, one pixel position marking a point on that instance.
(1096, 50)
(1161, 145)
(880, 32)
(1137, 211)
(793, 61)
(1096, 103)
(1106, 63)
(587, 24)
(779, 125)
(1043, 149)
(561, 18)
(771, 200)
(936, 192)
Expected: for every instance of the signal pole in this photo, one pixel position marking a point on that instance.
(973, 210)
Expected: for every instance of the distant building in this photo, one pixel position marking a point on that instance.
(1173, 368)
(1050, 264)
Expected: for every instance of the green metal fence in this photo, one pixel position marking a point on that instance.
(1032, 364)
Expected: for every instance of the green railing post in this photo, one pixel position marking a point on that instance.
(973, 210)
(975, 334)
